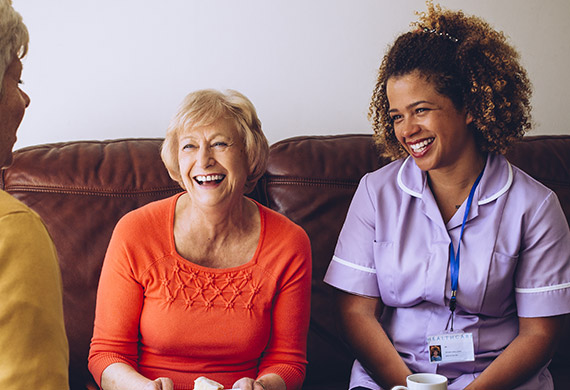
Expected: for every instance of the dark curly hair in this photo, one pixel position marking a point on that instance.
(469, 62)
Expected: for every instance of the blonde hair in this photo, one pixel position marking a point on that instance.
(14, 36)
(204, 107)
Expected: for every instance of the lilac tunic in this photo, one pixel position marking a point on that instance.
(515, 261)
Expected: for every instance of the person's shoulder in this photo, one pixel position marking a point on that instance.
(23, 228)
(283, 239)
(281, 229)
(382, 183)
(390, 169)
(383, 176)
(276, 220)
(11, 207)
(524, 182)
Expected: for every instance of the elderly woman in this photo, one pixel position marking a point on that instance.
(207, 282)
(450, 244)
(33, 344)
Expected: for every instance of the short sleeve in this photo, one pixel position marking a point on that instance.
(542, 278)
(352, 267)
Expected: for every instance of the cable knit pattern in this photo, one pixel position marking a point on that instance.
(166, 316)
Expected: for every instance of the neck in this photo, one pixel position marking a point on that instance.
(458, 177)
(216, 222)
(451, 186)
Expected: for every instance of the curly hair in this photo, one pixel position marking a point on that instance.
(467, 61)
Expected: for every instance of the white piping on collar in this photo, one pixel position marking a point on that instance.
(401, 183)
(502, 190)
(481, 202)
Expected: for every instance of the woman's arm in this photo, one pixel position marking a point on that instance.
(33, 345)
(372, 347)
(530, 350)
(117, 311)
(120, 376)
(285, 357)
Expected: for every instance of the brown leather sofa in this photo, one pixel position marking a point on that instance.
(81, 189)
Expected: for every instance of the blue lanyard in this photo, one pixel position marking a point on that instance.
(454, 258)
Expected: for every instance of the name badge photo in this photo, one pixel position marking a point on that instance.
(451, 348)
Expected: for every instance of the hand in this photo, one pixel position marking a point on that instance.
(159, 384)
(249, 384)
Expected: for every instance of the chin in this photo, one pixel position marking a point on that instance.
(423, 164)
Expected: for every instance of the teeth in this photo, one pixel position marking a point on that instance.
(420, 146)
(209, 178)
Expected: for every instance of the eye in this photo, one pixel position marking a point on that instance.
(188, 147)
(420, 110)
(220, 145)
(395, 118)
(21, 82)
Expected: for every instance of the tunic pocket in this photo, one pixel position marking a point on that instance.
(499, 299)
(403, 277)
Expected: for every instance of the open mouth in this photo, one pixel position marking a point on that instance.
(209, 179)
(419, 147)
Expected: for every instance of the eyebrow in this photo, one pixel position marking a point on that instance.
(414, 104)
(192, 137)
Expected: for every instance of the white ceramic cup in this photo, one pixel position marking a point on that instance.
(424, 381)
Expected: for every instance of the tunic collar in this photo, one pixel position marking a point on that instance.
(496, 180)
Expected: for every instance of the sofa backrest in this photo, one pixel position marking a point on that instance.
(82, 188)
(312, 179)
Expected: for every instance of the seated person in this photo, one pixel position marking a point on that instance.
(207, 282)
(33, 344)
(450, 242)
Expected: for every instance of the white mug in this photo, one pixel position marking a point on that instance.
(424, 381)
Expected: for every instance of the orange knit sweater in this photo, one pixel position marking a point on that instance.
(168, 317)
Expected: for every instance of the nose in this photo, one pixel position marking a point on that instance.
(26, 98)
(205, 156)
(409, 127)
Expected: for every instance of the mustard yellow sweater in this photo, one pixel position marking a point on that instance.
(33, 344)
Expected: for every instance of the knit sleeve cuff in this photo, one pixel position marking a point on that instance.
(98, 364)
(292, 376)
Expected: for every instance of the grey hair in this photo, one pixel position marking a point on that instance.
(14, 36)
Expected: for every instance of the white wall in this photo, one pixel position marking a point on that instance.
(100, 69)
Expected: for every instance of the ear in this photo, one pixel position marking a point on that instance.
(468, 119)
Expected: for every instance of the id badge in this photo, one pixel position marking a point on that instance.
(451, 347)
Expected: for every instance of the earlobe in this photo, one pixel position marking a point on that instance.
(468, 119)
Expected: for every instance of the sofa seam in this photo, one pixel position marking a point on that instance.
(310, 182)
(88, 191)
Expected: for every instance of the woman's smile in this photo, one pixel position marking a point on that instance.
(428, 125)
(420, 147)
(213, 164)
(209, 180)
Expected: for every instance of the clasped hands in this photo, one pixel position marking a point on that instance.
(167, 384)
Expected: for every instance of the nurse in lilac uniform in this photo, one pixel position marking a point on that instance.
(451, 224)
